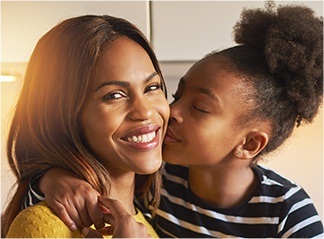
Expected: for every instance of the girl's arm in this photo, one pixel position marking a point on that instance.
(72, 199)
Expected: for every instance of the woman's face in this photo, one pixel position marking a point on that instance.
(125, 120)
(203, 120)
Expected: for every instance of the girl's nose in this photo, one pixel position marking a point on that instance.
(176, 112)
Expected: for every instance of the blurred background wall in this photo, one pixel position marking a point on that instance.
(181, 32)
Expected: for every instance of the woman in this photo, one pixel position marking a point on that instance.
(88, 105)
(231, 109)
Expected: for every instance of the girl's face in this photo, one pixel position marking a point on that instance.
(125, 120)
(203, 129)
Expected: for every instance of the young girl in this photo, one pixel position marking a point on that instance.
(88, 104)
(230, 109)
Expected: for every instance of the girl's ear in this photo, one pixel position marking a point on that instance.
(255, 142)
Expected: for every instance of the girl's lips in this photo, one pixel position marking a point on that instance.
(170, 137)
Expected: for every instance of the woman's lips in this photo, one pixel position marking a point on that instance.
(144, 138)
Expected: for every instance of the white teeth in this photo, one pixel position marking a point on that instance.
(144, 138)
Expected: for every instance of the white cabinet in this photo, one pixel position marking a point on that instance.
(24, 22)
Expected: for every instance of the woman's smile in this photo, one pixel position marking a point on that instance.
(144, 138)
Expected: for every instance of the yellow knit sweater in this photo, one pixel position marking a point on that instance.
(39, 221)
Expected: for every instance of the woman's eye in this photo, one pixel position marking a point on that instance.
(113, 96)
(153, 87)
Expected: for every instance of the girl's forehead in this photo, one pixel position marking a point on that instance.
(209, 64)
(211, 75)
(205, 71)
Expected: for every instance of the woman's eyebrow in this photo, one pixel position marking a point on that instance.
(150, 77)
(119, 83)
(124, 83)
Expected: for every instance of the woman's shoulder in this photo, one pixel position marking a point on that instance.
(39, 221)
(139, 217)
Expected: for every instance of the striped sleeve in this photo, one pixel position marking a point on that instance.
(299, 217)
(33, 195)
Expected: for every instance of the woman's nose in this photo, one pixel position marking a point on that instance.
(141, 109)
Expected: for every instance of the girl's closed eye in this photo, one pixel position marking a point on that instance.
(201, 109)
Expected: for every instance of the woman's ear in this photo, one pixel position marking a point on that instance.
(255, 142)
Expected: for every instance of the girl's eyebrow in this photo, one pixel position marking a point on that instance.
(124, 83)
(202, 90)
(207, 92)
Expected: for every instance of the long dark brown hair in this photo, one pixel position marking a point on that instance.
(45, 129)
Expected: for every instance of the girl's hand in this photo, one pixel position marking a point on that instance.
(122, 223)
(73, 200)
(90, 233)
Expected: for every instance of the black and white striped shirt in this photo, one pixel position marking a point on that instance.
(278, 208)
